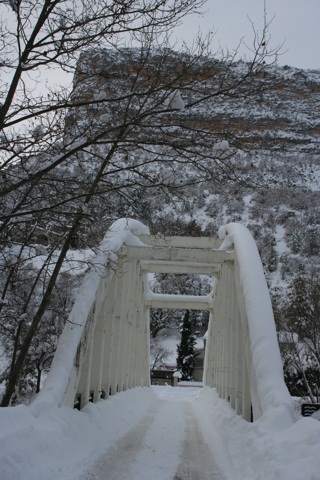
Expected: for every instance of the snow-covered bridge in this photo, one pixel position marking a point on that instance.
(104, 348)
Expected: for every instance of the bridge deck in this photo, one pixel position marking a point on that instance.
(168, 444)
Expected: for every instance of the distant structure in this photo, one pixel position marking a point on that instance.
(162, 377)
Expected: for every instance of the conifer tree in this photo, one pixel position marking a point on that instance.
(296, 241)
(311, 240)
(272, 260)
(186, 352)
(298, 310)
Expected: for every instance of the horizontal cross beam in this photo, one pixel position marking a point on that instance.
(191, 255)
(178, 241)
(184, 302)
(149, 266)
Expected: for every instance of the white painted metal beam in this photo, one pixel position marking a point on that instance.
(178, 241)
(149, 266)
(185, 302)
(166, 254)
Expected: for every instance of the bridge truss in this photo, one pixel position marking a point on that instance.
(104, 348)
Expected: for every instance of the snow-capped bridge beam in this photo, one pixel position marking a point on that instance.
(178, 241)
(176, 254)
(190, 302)
(105, 345)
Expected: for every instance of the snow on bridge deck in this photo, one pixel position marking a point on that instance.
(154, 433)
(167, 443)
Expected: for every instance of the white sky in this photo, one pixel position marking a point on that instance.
(297, 22)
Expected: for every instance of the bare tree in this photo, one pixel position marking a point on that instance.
(131, 123)
(159, 354)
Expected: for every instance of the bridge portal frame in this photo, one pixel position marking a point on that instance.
(121, 329)
(105, 348)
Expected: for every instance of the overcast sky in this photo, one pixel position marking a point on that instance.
(297, 22)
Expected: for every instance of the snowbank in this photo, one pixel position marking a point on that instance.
(273, 393)
(61, 443)
(122, 232)
(252, 450)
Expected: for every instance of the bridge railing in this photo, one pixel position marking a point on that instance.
(243, 359)
(88, 353)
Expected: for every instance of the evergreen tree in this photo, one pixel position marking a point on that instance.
(285, 265)
(186, 353)
(298, 308)
(311, 240)
(272, 260)
(296, 241)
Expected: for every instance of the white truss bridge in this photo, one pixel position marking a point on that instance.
(104, 348)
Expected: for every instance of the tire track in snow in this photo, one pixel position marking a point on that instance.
(197, 462)
(111, 465)
(148, 451)
(167, 444)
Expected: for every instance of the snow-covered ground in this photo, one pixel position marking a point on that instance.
(154, 433)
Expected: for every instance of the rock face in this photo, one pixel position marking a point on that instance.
(271, 125)
(277, 109)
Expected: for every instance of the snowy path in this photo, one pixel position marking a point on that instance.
(168, 444)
